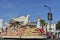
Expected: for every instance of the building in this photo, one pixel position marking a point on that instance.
(52, 28)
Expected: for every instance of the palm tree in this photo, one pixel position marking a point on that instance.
(43, 23)
(58, 25)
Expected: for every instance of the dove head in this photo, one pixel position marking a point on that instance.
(28, 15)
(38, 18)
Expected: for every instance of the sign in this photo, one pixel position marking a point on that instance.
(49, 16)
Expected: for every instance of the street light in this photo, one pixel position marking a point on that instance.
(48, 8)
(49, 16)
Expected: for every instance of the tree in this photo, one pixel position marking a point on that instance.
(43, 22)
(58, 25)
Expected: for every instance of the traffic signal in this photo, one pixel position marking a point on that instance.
(49, 16)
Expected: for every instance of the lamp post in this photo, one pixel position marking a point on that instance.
(48, 8)
(49, 16)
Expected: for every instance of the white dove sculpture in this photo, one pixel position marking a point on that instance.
(38, 23)
(26, 20)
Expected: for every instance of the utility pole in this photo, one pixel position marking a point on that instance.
(49, 16)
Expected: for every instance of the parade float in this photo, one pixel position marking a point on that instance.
(21, 28)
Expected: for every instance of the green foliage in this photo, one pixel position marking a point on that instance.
(42, 22)
(58, 25)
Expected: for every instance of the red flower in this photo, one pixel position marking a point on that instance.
(41, 30)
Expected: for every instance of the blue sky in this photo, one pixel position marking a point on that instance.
(14, 8)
